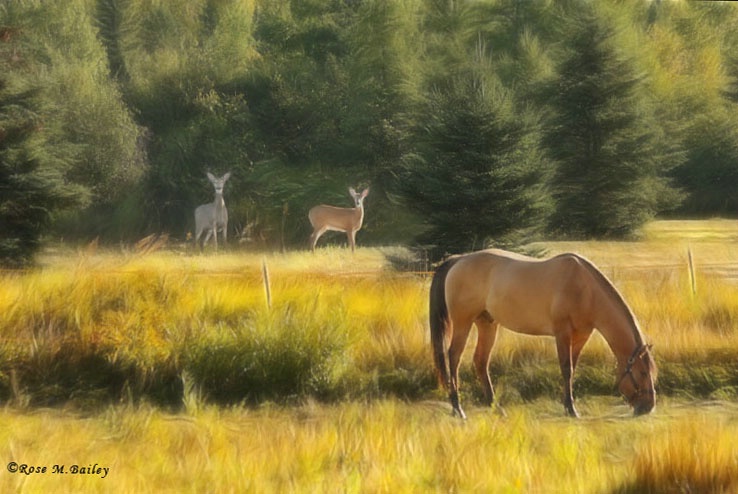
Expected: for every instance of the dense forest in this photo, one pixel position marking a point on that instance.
(475, 122)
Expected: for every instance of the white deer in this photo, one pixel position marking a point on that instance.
(214, 216)
(348, 220)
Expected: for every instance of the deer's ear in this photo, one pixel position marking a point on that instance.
(226, 176)
(365, 193)
(352, 191)
(211, 177)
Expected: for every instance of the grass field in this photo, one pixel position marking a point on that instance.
(183, 373)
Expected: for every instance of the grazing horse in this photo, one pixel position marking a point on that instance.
(566, 297)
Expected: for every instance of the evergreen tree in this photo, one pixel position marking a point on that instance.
(85, 122)
(479, 178)
(710, 174)
(731, 92)
(611, 154)
(32, 182)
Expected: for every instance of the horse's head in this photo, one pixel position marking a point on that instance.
(636, 383)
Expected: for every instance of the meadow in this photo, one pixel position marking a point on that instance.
(302, 372)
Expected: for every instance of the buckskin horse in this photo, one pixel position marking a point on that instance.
(565, 296)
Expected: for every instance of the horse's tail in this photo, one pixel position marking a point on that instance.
(438, 312)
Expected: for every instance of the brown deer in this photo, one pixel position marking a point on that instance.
(348, 220)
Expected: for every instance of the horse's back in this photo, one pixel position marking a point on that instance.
(521, 293)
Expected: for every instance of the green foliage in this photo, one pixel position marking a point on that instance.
(285, 359)
(297, 90)
(710, 172)
(612, 156)
(86, 105)
(32, 165)
(83, 123)
(692, 45)
(519, 39)
(478, 147)
(23, 202)
(138, 99)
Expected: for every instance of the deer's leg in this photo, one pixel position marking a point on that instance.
(486, 336)
(351, 234)
(207, 237)
(197, 239)
(458, 342)
(315, 236)
(225, 234)
(215, 236)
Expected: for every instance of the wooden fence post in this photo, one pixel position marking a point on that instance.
(267, 288)
(692, 277)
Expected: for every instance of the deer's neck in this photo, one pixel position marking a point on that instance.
(218, 205)
(359, 215)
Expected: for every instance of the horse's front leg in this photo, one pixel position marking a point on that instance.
(563, 347)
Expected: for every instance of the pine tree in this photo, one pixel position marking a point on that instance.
(731, 92)
(611, 155)
(478, 180)
(32, 183)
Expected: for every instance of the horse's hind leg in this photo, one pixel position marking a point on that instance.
(486, 336)
(458, 342)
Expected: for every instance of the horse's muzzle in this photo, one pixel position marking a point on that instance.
(643, 408)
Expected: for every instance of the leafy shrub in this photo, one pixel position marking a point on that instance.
(287, 357)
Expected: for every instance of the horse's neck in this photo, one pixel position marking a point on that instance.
(616, 323)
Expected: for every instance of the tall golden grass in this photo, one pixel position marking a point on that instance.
(381, 446)
(699, 455)
(103, 325)
(148, 320)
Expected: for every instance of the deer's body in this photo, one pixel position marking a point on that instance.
(325, 218)
(213, 217)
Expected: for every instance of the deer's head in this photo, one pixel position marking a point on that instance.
(218, 183)
(359, 197)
